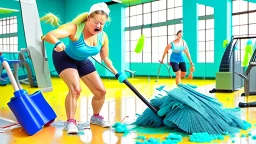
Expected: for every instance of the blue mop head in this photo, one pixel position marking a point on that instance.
(149, 119)
(200, 113)
(192, 112)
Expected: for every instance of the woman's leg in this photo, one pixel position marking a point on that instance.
(93, 81)
(178, 77)
(66, 69)
(183, 69)
(176, 69)
(71, 78)
(95, 84)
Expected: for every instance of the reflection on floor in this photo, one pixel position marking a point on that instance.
(121, 105)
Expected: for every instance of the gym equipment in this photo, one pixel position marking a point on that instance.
(24, 63)
(251, 75)
(32, 112)
(33, 33)
(4, 77)
(159, 68)
(25, 59)
(249, 81)
(225, 78)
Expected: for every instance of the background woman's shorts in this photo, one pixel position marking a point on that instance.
(178, 66)
(62, 61)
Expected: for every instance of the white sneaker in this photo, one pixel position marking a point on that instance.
(99, 120)
(70, 127)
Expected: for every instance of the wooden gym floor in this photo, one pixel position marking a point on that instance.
(121, 104)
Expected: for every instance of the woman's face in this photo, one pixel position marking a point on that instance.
(96, 23)
(180, 35)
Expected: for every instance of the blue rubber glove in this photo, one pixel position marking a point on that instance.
(121, 77)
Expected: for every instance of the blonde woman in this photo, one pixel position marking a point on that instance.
(87, 38)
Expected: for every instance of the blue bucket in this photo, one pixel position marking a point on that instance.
(48, 114)
(32, 112)
(26, 112)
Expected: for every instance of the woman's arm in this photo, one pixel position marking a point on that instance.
(165, 51)
(67, 30)
(188, 54)
(104, 54)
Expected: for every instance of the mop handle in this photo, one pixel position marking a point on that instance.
(140, 96)
(133, 89)
(10, 75)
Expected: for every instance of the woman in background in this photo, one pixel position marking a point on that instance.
(177, 59)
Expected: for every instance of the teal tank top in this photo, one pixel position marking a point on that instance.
(177, 53)
(79, 50)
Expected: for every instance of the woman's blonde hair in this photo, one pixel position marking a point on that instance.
(52, 19)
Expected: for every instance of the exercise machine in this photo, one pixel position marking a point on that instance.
(35, 66)
(226, 79)
(26, 63)
(22, 63)
(35, 46)
(249, 81)
(15, 64)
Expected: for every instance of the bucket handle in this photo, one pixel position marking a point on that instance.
(10, 75)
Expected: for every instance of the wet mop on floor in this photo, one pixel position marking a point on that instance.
(200, 116)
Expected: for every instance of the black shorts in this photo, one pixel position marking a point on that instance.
(178, 66)
(63, 61)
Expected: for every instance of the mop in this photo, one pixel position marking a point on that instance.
(193, 113)
(190, 111)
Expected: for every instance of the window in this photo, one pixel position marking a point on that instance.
(147, 45)
(156, 38)
(205, 49)
(146, 7)
(170, 14)
(205, 10)
(174, 9)
(243, 23)
(162, 5)
(252, 6)
(127, 46)
(162, 16)
(8, 26)
(147, 18)
(178, 12)
(155, 17)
